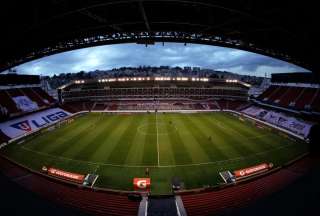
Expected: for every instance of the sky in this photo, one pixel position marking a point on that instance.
(171, 54)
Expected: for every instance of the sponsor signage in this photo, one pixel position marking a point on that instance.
(27, 124)
(252, 170)
(74, 177)
(141, 184)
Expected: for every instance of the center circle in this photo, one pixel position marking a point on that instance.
(159, 128)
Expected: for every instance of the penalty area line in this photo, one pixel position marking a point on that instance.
(241, 158)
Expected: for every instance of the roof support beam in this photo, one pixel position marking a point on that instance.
(144, 15)
(156, 36)
(99, 19)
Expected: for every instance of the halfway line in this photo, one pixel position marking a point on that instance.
(157, 141)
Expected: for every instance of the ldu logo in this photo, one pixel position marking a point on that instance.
(39, 121)
(24, 125)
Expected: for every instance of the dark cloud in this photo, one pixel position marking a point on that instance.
(172, 54)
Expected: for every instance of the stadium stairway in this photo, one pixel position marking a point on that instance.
(161, 206)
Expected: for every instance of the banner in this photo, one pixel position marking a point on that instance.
(26, 124)
(74, 177)
(252, 170)
(279, 119)
(25, 104)
(141, 184)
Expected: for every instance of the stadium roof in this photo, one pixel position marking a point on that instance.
(281, 29)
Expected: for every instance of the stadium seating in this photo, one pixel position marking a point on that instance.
(95, 203)
(74, 107)
(305, 98)
(88, 105)
(213, 105)
(316, 101)
(196, 203)
(289, 97)
(44, 95)
(265, 95)
(276, 94)
(3, 137)
(230, 104)
(36, 95)
(152, 105)
(296, 98)
(103, 90)
(217, 202)
(8, 103)
(99, 106)
(113, 106)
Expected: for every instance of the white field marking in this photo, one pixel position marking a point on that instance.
(158, 141)
(82, 161)
(159, 166)
(140, 129)
(94, 181)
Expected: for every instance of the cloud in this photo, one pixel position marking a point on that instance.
(172, 54)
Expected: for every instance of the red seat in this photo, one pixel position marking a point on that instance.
(305, 98)
(214, 202)
(44, 95)
(34, 96)
(8, 103)
(95, 203)
(291, 94)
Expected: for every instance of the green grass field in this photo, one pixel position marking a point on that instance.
(193, 147)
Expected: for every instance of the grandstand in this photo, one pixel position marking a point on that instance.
(41, 114)
(154, 93)
(293, 97)
(293, 94)
(159, 145)
(36, 99)
(22, 94)
(147, 94)
(153, 87)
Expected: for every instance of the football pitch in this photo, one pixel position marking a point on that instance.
(192, 147)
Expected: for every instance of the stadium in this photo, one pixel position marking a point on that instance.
(150, 144)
